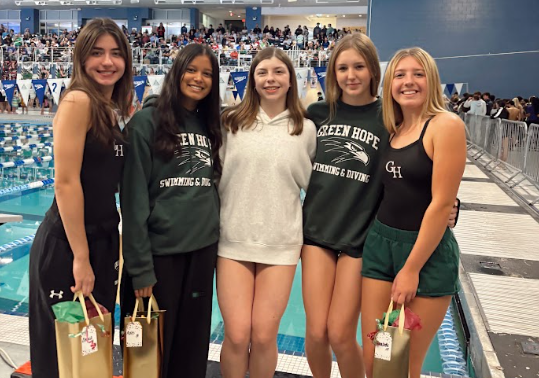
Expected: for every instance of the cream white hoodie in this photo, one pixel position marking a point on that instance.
(264, 168)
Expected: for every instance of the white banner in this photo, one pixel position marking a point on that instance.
(303, 81)
(443, 89)
(383, 67)
(223, 83)
(55, 86)
(156, 82)
(24, 89)
(459, 86)
(67, 82)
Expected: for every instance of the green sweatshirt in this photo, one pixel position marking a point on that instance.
(168, 207)
(345, 187)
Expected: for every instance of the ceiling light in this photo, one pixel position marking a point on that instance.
(344, 15)
(360, 15)
(18, 3)
(135, 1)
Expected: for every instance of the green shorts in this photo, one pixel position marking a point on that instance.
(387, 248)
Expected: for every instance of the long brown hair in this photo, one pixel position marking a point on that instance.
(364, 47)
(243, 115)
(102, 110)
(170, 112)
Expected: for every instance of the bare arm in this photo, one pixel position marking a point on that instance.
(70, 127)
(449, 159)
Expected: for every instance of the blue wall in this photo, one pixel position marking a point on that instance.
(253, 17)
(30, 20)
(455, 28)
(194, 17)
(135, 16)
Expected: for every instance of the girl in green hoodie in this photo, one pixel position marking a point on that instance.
(171, 209)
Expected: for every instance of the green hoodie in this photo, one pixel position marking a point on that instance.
(168, 207)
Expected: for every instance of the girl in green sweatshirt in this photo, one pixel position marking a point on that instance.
(170, 208)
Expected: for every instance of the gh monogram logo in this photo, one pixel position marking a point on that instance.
(390, 167)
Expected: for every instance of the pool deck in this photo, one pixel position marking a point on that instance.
(499, 239)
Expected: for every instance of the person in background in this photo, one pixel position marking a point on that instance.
(476, 105)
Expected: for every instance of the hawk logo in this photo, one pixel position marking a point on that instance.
(38, 87)
(138, 83)
(239, 79)
(347, 150)
(8, 86)
(200, 159)
(322, 74)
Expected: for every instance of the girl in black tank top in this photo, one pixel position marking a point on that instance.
(407, 180)
(410, 255)
(76, 247)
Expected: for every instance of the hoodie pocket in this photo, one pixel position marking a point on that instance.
(183, 224)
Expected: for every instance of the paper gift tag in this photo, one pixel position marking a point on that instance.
(133, 335)
(384, 342)
(89, 340)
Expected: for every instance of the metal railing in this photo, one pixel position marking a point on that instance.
(157, 56)
(503, 143)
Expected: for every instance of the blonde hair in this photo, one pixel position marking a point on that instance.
(243, 115)
(364, 47)
(434, 104)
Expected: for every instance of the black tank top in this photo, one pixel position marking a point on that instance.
(100, 176)
(407, 180)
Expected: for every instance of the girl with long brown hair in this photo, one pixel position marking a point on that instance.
(77, 245)
(170, 208)
(267, 158)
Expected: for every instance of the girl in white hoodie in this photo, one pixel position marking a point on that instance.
(267, 154)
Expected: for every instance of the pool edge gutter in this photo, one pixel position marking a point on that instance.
(484, 358)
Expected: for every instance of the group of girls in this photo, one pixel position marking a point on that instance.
(200, 190)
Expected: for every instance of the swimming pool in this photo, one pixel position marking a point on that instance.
(14, 277)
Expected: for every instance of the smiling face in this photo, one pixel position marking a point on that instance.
(272, 80)
(196, 82)
(353, 77)
(105, 64)
(409, 87)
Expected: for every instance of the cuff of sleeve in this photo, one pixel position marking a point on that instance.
(144, 280)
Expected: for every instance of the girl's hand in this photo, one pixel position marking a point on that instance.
(405, 286)
(84, 276)
(144, 292)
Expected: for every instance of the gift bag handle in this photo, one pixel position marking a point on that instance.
(80, 297)
(152, 303)
(402, 317)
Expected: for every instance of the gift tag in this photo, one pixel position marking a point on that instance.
(133, 335)
(89, 340)
(384, 342)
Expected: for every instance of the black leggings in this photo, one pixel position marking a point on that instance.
(51, 278)
(184, 289)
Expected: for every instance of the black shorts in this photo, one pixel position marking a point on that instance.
(354, 254)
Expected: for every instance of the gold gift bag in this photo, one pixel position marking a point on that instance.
(69, 344)
(143, 358)
(392, 349)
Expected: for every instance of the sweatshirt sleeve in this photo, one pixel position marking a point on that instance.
(135, 205)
